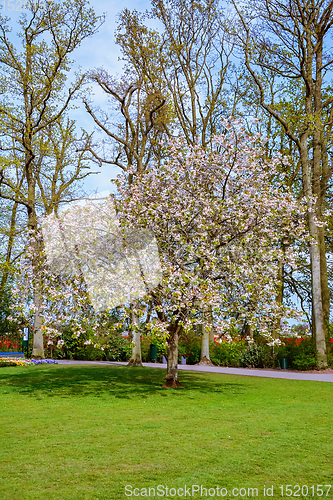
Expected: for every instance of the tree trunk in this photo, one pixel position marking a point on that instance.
(206, 332)
(325, 291)
(318, 263)
(136, 359)
(36, 245)
(212, 331)
(317, 303)
(279, 298)
(38, 342)
(248, 330)
(315, 258)
(172, 366)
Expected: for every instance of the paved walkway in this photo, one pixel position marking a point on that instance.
(325, 376)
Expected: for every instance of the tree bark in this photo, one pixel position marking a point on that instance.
(325, 291)
(315, 260)
(319, 181)
(248, 330)
(207, 328)
(212, 331)
(318, 305)
(172, 366)
(38, 340)
(279, 299)
(136, 358)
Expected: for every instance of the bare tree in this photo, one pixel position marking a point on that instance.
(192, 56)
(135, 124)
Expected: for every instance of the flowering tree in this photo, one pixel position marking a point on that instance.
(217, 220)
(84, 266)
(65, 302)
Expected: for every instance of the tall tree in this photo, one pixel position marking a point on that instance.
(134, 141)
(192, 54)
(36, 95)
(187, 59)
(217, 221)
(290, 39)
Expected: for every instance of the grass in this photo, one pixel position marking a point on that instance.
(85, 432)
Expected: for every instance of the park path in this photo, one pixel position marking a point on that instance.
(325, 376)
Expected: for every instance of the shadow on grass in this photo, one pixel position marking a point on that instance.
(117, 381)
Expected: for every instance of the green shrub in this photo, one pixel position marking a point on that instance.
(330, 350)
(89, 353)
(9, 329)
(73, 347)
(115, 347)
(330, 359)
(146, 342)
(299, 352)
(145, 348)
(190, 346)
(258, 355)
(303, 361)
(227, 353)
(118, 348)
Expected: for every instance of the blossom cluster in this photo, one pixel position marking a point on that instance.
(201, 231)
(218, 223)
(117, 266)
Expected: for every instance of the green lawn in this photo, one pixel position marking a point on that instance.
(85, 432)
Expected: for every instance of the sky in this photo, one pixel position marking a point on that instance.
(97, 51)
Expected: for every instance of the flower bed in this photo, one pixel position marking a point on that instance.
(43, 361)
(7, 361)
(8, 345)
